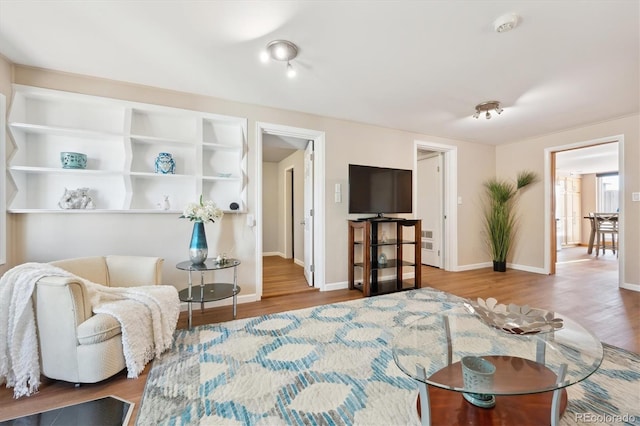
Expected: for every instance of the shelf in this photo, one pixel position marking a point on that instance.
(60, 131)
(95, 211)
(149, 175)
(50, 170)
(387, 286)
(222, 178)
(155, 140)
(122, 140)
(391, 242)
(144, 158)
(391, 263)
(371, 282)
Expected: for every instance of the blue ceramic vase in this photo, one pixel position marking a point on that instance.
(165, 164)
(198, 249)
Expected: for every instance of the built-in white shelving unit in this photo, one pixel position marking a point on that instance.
(122, 140)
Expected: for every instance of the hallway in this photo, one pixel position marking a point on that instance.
(282, 276)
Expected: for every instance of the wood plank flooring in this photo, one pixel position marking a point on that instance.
(282, 276)
(584, 288)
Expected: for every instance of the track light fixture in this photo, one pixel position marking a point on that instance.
(281, 50)
(486, 107)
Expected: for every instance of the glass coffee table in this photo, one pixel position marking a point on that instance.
(209, 292)
(529, 371)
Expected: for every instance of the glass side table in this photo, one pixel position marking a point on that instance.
(209, 292)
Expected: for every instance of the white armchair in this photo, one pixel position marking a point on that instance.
(76, 345)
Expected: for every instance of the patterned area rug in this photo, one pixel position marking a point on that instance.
(333, 364)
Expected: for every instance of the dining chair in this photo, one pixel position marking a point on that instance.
(606, 224)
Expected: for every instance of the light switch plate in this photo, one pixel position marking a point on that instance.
(635, 196)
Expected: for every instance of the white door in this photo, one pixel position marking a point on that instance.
(429, 206)
(308, 213)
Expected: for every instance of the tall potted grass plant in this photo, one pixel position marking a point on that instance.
(500, 217)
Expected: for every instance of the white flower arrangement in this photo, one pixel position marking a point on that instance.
(204, 211)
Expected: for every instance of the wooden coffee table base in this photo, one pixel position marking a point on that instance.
(450, 408)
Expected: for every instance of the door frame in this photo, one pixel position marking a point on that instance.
(449, 235)
(289, 217)
(318, 138)
(550, 255)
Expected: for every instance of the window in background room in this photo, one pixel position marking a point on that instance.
(608, 193)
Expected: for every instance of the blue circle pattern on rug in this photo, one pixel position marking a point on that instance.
(341, 352)
(347, 314)
(297, 364)
(263, 325)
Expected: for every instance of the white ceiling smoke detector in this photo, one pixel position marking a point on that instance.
(506, 22)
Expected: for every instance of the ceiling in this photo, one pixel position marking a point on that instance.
(419, 66)
(593, 159)
(276, 148)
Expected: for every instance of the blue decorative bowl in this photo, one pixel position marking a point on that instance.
(73, 160)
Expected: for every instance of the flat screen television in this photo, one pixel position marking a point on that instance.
(379, 190)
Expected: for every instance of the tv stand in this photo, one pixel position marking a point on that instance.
(370, 242)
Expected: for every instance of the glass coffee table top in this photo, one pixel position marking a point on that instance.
(525, 364)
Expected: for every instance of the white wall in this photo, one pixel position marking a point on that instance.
(270, 197)
(530, 154)
(44, 237)
(296, 162)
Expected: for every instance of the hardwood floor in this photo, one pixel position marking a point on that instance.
(584, 288)
(282, 276)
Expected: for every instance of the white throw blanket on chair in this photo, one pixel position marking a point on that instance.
(148, 317)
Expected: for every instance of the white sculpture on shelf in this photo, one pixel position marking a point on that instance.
(165, 204)
(76, 199)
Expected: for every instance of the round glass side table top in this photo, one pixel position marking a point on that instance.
(430, 350)
(208, 265)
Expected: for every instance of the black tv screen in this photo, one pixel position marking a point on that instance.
(379, 190)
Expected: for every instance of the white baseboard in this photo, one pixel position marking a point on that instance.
(515, 266)
(272, 253)
(527, 268)
(336, 286)
(298, 262)
(629, 286)
(474, 266)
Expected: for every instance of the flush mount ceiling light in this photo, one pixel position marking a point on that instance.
(486, 107)
(506, 22)
(281, 50)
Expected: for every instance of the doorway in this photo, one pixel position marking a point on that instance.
(571, 194)
(429, 206)
(290, 210)
(444, 222)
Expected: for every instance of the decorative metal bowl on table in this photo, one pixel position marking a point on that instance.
(514, 319)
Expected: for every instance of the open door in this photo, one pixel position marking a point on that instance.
(429, 205)
(308, 213)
